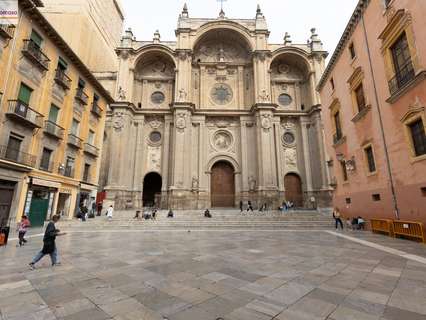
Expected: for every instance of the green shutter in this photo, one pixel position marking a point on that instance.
(62, 64)
(25, 94)
(53, 113)
(36, 38)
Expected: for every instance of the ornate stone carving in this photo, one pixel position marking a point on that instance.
(195, 183)
(118, 122)
(222, 140)
(182, 95)
(290, 158)
(289, 138)
(155, 122)
(181, 121)
(266, 121)
(213, 51)
(264, 96)
(283, 68)
(154, 159)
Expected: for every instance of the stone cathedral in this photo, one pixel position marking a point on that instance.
(216, 117)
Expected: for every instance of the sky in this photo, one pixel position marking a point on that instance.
(297, 17)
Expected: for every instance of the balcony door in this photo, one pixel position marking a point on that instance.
(24, 97)
(13, 147)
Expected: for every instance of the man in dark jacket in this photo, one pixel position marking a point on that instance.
(49, 245)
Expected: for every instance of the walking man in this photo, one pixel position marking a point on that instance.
(249, 206)
(110, 212)
(241, 206)
(49, 244)
(337, 219)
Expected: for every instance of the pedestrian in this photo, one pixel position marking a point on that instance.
(49, 244)
(99, 209)
(170, 214)
(337, 219)
(137, 215)
(110, 211)
(207, 214)
(241, 206)
(249, 206)
(154, 214)
(22, 229)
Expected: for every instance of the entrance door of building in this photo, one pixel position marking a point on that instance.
(6, 196)
(152, 190)
(222, 186)
(39, 207)
(293, 189)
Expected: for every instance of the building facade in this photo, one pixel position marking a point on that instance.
(92, 28)
(217, 116)
(52, 119)
(374, 97)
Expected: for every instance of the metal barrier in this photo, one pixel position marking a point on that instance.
(382, 226)
(409, 229)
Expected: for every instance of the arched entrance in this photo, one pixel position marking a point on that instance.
(151, 189)
(293, 189)
(222, 185)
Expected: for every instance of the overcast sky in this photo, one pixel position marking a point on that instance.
(294, 16)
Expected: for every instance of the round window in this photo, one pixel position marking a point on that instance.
(221, 93)
(284, 99)
(289, 138)
(157, 97)
(155, 136)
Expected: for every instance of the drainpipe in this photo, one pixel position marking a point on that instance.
(382, 131)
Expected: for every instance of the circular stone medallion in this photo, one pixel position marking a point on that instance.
(289, 138)
(284, 99)
(222, 140)
(221, 93)
(155, 137)
(157, 97)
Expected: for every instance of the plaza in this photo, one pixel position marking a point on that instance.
(210, 274)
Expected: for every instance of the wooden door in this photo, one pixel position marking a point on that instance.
(6, 196)
(222, 185)
(293, 189)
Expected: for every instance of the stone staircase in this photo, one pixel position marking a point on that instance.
(194, 219)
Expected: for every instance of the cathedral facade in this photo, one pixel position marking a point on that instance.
(216, 117)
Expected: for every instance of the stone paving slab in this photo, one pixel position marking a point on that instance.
(236, 275)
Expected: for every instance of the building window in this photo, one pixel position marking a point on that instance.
(332, 83)
(86, 173)
(344, 170)
(45, 159)
(91, 137)
(403, 66)
(376, 197)
(36, 39)
(75, 127)
(418, 137)
(24, 94)
(53, 113)
(348, 200)
(352, 51)
(69, 167)
(62, 64)
(13, 147)
(360, 98)
(338, 135)
(423, 191)
(369, 154)
(81, 84)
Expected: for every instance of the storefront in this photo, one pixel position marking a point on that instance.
(86, 197)
(7, 190)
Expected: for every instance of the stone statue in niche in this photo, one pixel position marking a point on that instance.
(266, 121)
(180, 121)
(221, 55)
(264, 96)
(252, 183)
(194, 183)
(121, 94)
(182, 95)
(118, 122)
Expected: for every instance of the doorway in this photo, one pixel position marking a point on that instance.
(222, 185)
(151, 189)
(293, 189)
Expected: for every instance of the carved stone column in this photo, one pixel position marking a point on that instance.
(262, 84)
(304, 123)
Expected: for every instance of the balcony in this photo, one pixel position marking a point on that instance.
(22, 113)
(7, 31)
(81, 96)
(69, 172)
(33, 52)
(62, 79)
(87, 178)
(17, 156)
(48, 167)
(52, 129)
(402, 77)
(74, 141)
(96, 110)
(91, 149)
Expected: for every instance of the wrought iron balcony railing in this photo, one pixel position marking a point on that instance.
(91, 149)
(47, 166)
(402, 77)
(87, 178)
(69, 172)
(17, 156)
(52, 129)
(62, 79)
(19, 111)
(96, 110)
(33, 52)
(7, 30)
(75, 141)
(81, 96)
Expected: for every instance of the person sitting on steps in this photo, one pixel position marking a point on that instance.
(207, 214)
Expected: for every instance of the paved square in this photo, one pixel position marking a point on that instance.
(203, 275)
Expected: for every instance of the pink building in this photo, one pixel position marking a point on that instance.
(374, 98)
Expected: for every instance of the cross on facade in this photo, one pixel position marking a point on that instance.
(221, 4)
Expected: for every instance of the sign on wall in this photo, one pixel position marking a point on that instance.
(8, 11)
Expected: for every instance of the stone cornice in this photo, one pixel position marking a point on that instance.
(350, 27)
